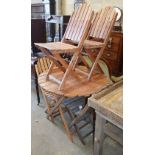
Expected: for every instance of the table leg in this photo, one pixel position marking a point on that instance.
(99, 135)
(59, 32)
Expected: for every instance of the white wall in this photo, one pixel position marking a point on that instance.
(68, 5)
(36, 1)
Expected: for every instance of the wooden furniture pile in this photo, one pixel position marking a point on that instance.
(86, 33)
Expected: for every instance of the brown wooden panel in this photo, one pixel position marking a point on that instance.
(110, 55)
(115, 61)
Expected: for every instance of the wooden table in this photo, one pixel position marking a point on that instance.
(74, 86)
(108, 105)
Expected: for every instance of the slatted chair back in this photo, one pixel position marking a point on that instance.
(103, 24)
(43, 65)
(98, 36)
(78, 25)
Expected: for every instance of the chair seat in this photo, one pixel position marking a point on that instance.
(58, 47)
(89, 44)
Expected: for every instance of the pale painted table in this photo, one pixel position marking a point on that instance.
(108, 106)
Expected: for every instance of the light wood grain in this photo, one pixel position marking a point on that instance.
(109, 105)
(98, 35)
(72, 43)
(74, 87)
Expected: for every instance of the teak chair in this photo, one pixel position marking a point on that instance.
(42, 66)
(98, 37)
(72, 43)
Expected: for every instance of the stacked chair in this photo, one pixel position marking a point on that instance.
(86, 36)
(72, 43)
(98, 37)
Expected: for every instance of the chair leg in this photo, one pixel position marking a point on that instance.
(75, 126)
(69, 134)
(69, 69)
(81, 114)
(49, 115)
(96, 62)
(92, 58)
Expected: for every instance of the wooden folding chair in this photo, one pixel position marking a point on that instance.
(42, 66)
(84, 125)
(97, 38)
(72, 43)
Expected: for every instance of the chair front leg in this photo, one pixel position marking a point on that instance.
(69, 70)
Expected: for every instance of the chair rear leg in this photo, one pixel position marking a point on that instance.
(92, 58)
(49, 115)
(96, 62)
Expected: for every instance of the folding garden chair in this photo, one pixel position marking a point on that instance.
(72, 43)
(97, 38)
(52, 101)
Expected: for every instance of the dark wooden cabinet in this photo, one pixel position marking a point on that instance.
(40, 31)
(113, 54)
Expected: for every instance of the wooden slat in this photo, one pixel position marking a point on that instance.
(58, 47)
(78, 24)
(105, 23)
(103, 17)
(39, 67)
(110, 24)
(78, 27)
(54, 79)
(73, 22)
(68, 29)
(89, 44)
(45, 63)
(97, 28)
(49, 62)
(94, 23)
(81, 71)
(84, 24)
(36, 69)
(42, 65)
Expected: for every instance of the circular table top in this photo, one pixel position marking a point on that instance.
(73, 87)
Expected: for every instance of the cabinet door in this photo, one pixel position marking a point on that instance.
(38, 32)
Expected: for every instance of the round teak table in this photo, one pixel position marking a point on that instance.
(74, 86)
